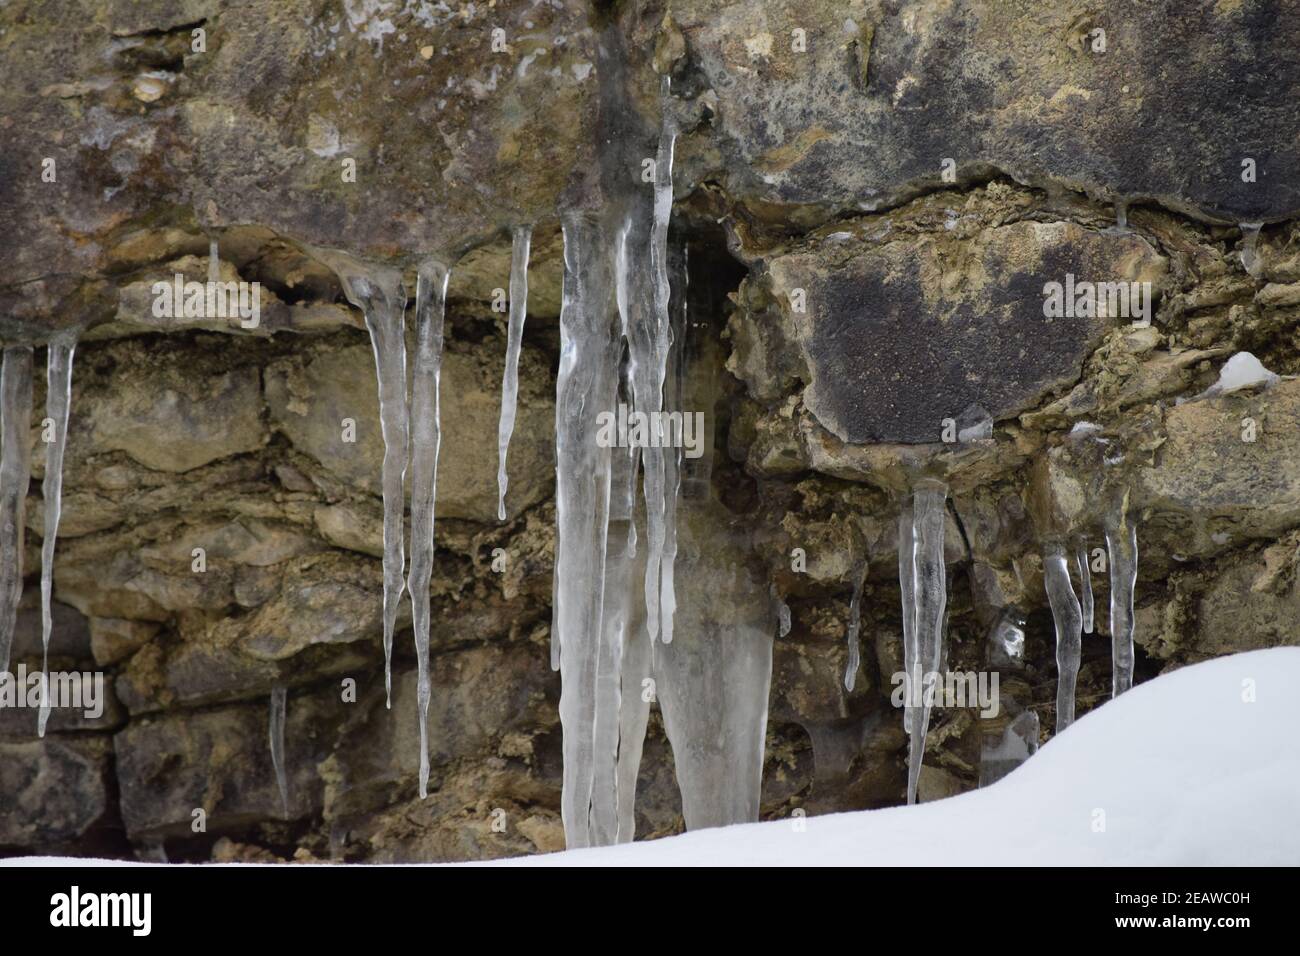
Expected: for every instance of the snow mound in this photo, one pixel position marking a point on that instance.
(1198, 767)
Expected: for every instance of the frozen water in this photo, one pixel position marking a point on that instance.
(514, 342)
(1249, 240)
(58, 400)
(426, 436)
(925, 602)
(15, 472)
(279, 699)
(855, 621)
(1121, 543)
(1086, 601)
(378, 293)
(585, 386)
(1068, 619)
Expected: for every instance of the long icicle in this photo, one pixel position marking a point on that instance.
(514, 342)
(1121, 543)
(275, 723)
(15, 472)
(58, 401)
(650, 339)
(584, 387)
(929, 594)
(426, 436)
(378, 293)
(1068, 618)
(1086, 600)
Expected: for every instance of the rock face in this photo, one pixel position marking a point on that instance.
(861, 311)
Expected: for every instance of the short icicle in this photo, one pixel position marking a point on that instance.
(1068, 619)
(58, 401)
(15, 473)
(279, 700)
(929, 596)
(426, 436)
(855, 625)
(1086, 601)
(1249, 242)
(1121, 543)
(514, 342)
(379, 294)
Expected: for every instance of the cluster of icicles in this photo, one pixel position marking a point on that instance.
(618, 343)
(922, 579)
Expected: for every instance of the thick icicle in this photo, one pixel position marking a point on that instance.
(783, 618)
(855, 623)
(279, 699)
(15, 472)
(58, 399)
(1069, 630)
(929, 596)
(1121, 543)
(514, 342)
(649, 339)
(620, 562)
(1086, 601)
(381, 298)
(426, 436)
(584, 387)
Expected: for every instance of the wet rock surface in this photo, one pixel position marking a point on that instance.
(222, 527)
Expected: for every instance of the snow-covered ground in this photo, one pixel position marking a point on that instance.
(1198, 767)
(1184, 770)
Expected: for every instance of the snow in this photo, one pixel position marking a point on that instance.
(1212, 780)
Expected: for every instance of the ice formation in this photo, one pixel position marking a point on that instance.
(275, 724)
(1086, 601)
(379, 294)
(15, 472)
(923, 579)
(1121, 543)
(853, 661)
(426, 435)
(1068, 618)
(585, 385)
(58, 399)
(1249, 255)
(1242, 370)
(514, 342)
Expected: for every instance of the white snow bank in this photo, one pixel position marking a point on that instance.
(1185, 771)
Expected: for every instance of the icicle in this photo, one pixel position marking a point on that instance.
(1249, 255)
(426, 436)
(279, 698)
(926, 602)
(1069, 629)
(15, 472)
(607, 797)
(637, 691)
(1086, 601)
(1121, 216)
(514, 342)
(214, 262)
(783, 619)
(649, 338)
(1121, 543)
(855, 620)
(584, 387)
(380, 296)
(58, 399)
